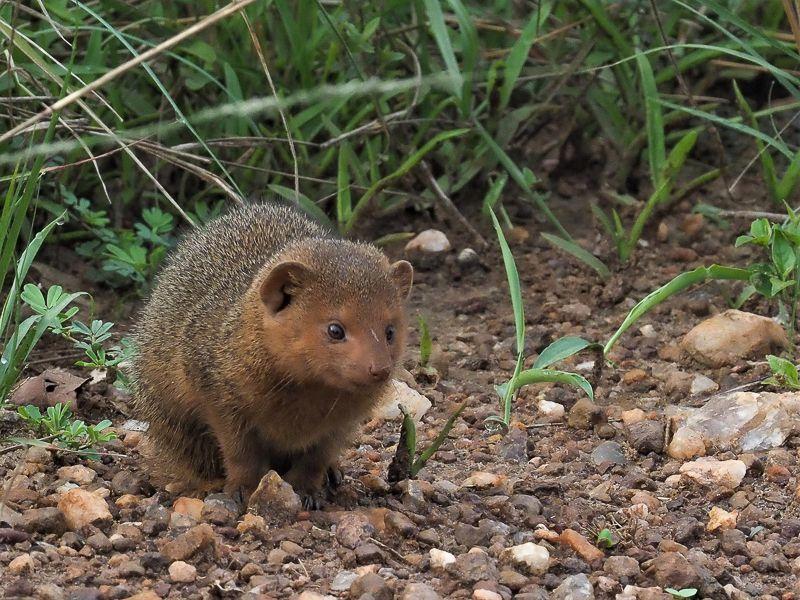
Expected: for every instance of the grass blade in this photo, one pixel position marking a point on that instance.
(520, 50)
(656, 149)
(560, 349)
(513, 284)
(580, 253)
(433, 9)
(531, 376)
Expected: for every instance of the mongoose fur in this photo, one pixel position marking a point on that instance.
(264, 344)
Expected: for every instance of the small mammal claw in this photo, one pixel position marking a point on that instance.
(312, 501)
(333, 477)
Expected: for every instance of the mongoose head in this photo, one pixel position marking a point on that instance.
(334, 313)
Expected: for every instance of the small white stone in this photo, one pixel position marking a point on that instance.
(399, 393)
(430, 241)
(342, 581)
(486, 595)
(534, 557)
(481, 480)
(715, 473)
(440, 559)
(703, 385)
(182, 572)
(550, 412)
(648, 331)
(21, 564)
(719, 518)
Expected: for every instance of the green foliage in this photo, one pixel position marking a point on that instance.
(784, 373)
(58, 427)
(682, 593)
(606, 539)
(777, 277)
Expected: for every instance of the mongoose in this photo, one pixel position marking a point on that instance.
(264, 344)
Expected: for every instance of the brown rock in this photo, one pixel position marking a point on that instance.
(671, 569)
(584, 414)
(83, 508)
(44, 520)
(188, 544)
(588, 552)
(731, 336)
(274, 498)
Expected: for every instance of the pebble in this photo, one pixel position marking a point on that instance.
(588, 552)
(635, 415)
(648, 331)
(608, 452)
(368, 554)
(192, 507)
(21, 564)
(43, 520)
(686, 443)
(474, 566)
(77, 474)
(703, 385)
(483, 594)
(219, 509)
(352, 529)
(400, 393)
(189, 543)
(274, 498)
(181, 572)
(550, 412)
(481, 480)
(533, 557)
(671, 569)
(430, 241)
(440, 559)
(373, 586)
(342, 581)
(419, 591)
(623, 568)
(399, 523)
(719, 518)
(733, 335)
(646, 435)
(574, 587)
(715, 473)
(584, 414)
(82, 508)
(468, 258)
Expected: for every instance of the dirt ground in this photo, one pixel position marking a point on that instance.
(545, 478)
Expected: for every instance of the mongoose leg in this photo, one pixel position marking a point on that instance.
(243, 469)
(311, 473)
(333, 477)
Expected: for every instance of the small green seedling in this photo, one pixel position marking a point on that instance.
(406, 464)
(58, 427)
(784, 373)
(606, 539)
(682, 593)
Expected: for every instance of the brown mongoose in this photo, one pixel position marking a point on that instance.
(264, 344)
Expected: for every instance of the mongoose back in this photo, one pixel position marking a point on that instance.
(264, 344)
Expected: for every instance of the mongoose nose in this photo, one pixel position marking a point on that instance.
(379, 371)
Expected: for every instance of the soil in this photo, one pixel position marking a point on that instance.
(375, 540)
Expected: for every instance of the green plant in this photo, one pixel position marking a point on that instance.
(425, 343)
(406, 462)
(606, 539)
(778, 277)
(682, 593)
(784, 373)
(57, 426)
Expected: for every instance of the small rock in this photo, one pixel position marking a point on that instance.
(83, 508)
(634, 376)
(468, 259)
(671, 569)
(550, 412)
(399, 393)
(584, 414)
(703, 385)
(623, 568)
(220, 509)
(646, 436)
(371, 585)
(474, 566)
(648, 331)
(352, 529)
(576, 312)
(719, 518)
(192, 507)
(483, 594)
(608, 452)
(128, 482)
(44, 520)
(440, 559)
(635, 415)
(368, 554)
(275, 498)
(533, 557)
(430, 241)
(715, 473)
(188, 544)
(181, 572)
(733, 335)
(21, 564)
(419, 591)
(481, 480)
(399, 523)
(77, 474)
(342, 581)
(588, 552)
(686, 443)
(574, 587)
(50, 591)
(528, 506)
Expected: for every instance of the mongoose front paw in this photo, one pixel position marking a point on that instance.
(333, 477)
(312, 500)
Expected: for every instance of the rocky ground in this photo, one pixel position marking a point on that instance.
(491, 516)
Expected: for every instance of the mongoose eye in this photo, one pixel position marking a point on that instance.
(335, 331)
(390, 333)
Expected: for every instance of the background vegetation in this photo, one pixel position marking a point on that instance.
(122, 122)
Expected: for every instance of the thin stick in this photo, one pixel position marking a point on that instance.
(448, 205)
(260, 52)
(234, 7)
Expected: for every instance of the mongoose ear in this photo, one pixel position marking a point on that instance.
(402, 273)
(281, 284)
